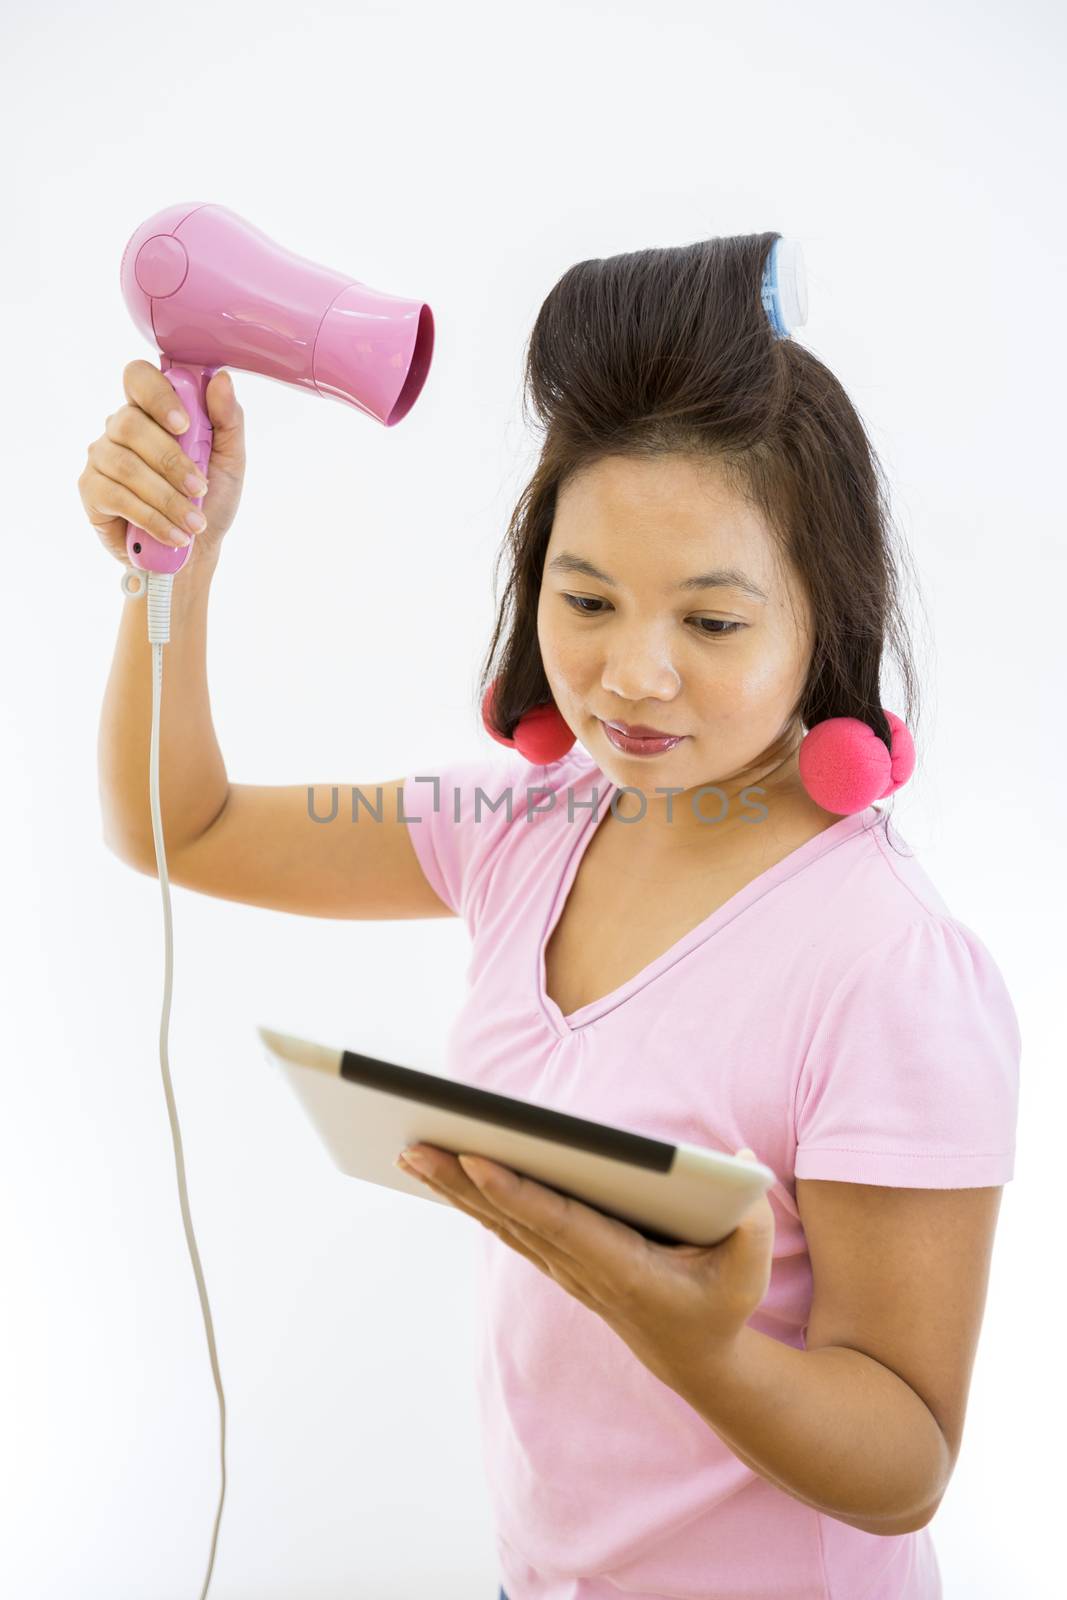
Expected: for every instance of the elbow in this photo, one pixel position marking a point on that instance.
(891, 1527)
(923, 1514)
(893, 1524)
(919, 1515)
(913, 1523)
(124, 851)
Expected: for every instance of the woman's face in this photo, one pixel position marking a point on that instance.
(719, 664)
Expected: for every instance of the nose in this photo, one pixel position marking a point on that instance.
(640, 671)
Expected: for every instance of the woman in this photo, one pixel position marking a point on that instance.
(682, 938)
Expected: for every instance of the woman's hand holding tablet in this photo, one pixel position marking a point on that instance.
(668, 1302)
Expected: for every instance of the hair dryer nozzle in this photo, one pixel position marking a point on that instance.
(365, 342)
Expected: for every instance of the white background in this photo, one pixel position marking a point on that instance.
(466, 155)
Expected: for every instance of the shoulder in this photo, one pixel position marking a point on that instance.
(868, 911)
(868, 891)
(467, 816)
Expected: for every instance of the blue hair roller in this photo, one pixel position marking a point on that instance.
(784, 290)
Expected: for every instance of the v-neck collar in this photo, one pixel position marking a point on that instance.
(565, 1026)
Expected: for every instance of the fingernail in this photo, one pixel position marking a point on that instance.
(178, 421)
(416, 1161)
(195, 486)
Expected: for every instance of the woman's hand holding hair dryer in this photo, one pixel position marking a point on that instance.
(136, 471)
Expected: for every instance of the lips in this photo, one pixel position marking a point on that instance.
(637, 730)
(635, 745)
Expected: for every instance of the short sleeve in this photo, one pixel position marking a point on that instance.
(456, 815)
(911, 1077)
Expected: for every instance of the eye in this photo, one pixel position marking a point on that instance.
(718, 627)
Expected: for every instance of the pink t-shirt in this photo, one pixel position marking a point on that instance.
(835, 1017)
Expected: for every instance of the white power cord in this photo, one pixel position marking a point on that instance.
(158, 591)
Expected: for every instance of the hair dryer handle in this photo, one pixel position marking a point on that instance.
(191, 383)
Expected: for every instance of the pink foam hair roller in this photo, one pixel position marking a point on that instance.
(210, 290)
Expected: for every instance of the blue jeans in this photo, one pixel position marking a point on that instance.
(503, 1596)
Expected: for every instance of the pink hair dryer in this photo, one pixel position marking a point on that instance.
(210, 291)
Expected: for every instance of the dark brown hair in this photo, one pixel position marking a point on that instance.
(670, 351)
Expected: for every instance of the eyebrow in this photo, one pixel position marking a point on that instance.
(720, 578)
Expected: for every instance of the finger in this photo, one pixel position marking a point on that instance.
(457, 1188)
(104, 499)
(156, 487)
(150, 388)
(158, 449)
(754, 1231)
(446, 1168)
(493, 1223)
(223, 408)
(569, 1274)
(611, 1256)
(227, 426)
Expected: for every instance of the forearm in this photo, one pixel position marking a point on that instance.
(831, 1426)
(192, 774)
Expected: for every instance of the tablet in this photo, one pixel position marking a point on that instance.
(366, 1111)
